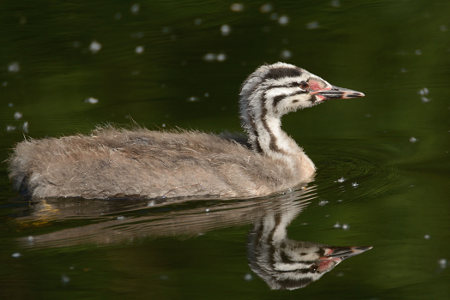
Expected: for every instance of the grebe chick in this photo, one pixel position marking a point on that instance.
(115, 163)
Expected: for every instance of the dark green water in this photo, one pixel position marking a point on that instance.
(392, 147)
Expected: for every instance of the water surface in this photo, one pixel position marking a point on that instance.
(383, 160)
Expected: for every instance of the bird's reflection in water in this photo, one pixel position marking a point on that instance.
(282, 263)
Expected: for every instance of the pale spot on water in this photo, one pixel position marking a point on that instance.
(16, 255)
(91, 100)
(312, 25)
(14, 67)
(95, 47)
(248, 277)
(18, 115)
(283, 20)
(237, 7)
(323, 202)
(442, 263)
(286, 54)
(412, 139)
(139, 49)
(135, 8)
(266, 8)
(225, 29)
(340, 180)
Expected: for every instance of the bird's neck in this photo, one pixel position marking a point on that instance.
(267, 137)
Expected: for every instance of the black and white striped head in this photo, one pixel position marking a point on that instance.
(294, 264)
(280, 88)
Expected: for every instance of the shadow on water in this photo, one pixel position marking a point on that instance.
(281, 262)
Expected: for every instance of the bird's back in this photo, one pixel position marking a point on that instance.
(142, 163)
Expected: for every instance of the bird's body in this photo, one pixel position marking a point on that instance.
(112, 163)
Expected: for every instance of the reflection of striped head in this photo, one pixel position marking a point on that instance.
(287, 264)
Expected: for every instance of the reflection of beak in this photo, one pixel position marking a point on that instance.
(336, 93)
(344, 252)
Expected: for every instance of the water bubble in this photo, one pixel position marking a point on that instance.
(286, 54)
(207, 210)
(248, 277)
(425, 99)
(91, 100)
(30, 238)
(4, 83)
(65, 279)
(403, 70)
(209, 57)
(193, 99)
(312, 25)
(16, 255)
(206, 94)
(283, 20)
(14, 67)
(197, 21)
(135, 8)
(355, 184)
(427, 236)
(266, 8)
(443, 28)
(337, 225)
(341, 180)
(423, 92)
(412, 139)
(221, 57)
(139, 49)
(151, 203)
(25, 127)
(120, 218)
(18, 115)
(336, 3)
(95, 46)
(418, 52)
(10, 128)
(442, 263)
(237, 7)
(323, 202)
(345, 226)
(225, 29)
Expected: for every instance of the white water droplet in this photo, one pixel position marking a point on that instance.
(139, 49)
(18, 115)
(248, 277)
(418, 52)
(65, 279)
(198, 21)
(312, 25)
(323, 202)
(412, 139)
(427, 236)
(10, 128)
(266, 8)
(442, 263)
(237, 7)
(345, 226)
(225, 29)
(283, 20)
(91, 100)
(25, 127)
(95, 46)
(336, 3)
(120, 218)
(341, 180)
(135, 8)
(16, 255)
(14, 67)
(337, 225)
(286, 54)
(355, 184)
(221, 57)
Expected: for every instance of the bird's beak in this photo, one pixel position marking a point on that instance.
(344, 252)
(335, 92)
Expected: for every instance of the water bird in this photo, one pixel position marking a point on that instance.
(123, 163)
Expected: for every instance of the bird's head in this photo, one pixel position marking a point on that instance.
(281, 88)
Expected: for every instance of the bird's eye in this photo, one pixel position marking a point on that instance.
(304, 85)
